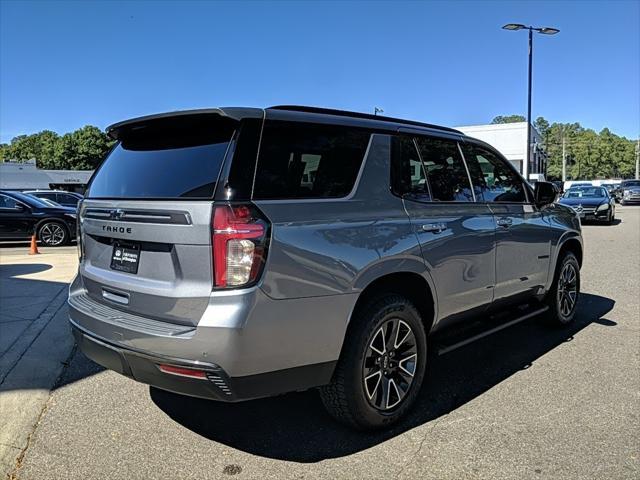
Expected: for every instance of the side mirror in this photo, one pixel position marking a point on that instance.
(545, 193)
(20, 207)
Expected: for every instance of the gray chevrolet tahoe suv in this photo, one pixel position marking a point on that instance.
(237, 253)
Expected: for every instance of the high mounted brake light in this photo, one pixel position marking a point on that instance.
(239, 244)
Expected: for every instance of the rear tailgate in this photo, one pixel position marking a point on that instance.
(146, 221)
(173, 278)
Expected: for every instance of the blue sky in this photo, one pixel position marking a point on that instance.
(67, 64)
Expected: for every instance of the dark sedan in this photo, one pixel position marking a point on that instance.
(591, 203)
(22, 215)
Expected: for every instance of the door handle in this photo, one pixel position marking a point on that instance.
(434, 227)
(504, 222)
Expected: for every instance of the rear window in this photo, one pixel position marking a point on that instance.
(299, 160)
(171, 160)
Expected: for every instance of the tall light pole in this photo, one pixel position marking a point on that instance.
(544, 31)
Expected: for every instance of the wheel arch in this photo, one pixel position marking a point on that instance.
(572, 245)
(410, 284)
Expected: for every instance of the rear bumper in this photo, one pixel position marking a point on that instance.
(248, 344)
(216, 385)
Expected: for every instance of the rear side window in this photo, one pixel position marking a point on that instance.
(68, 199)
(181, 159)
(445, 168)
(299, 160)
(492, 177)
(408, 176)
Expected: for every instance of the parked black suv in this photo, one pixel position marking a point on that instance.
(22, 215)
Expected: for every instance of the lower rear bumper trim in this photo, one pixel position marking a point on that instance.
(143, 367)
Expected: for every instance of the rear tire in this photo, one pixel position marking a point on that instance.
(562, 299)
(382, 365)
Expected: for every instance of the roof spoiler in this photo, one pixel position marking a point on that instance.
(117, 130)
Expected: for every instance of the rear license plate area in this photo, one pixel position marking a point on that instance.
(125, 257)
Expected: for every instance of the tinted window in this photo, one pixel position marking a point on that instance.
(408, 176)
(7, 202)
(493, 179)
(48, 196)
(593, 192)
(446, 173)
(308, 161)
(172, 162)
(30, 200)
(67, 199)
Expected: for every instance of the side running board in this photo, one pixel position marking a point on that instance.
(446, 348)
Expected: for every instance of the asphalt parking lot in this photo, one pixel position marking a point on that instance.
(529, 402)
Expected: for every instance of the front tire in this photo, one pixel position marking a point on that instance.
(53, 234)
(382, 365)
(562, 299)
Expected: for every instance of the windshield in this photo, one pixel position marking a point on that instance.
(585, 192)
(631, 183)
(51, 203)
(30, 200)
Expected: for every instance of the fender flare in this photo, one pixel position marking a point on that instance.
(394, 265)
(570, 235)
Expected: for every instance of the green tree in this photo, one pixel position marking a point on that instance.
(91, 145)
(542, 126)
(4, 149)
(508, 119)
(82, 149)
(591, 155)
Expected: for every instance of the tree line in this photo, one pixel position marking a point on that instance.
(590, 154)
(82, 149)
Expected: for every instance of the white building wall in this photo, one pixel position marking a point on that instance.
(15, 176)
(510, 139)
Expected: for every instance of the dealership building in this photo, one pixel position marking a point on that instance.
(26, 176)
(510, 139)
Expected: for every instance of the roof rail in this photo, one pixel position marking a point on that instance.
(346, 113)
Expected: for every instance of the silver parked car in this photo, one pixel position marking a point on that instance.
(630, 192)
(237, 253)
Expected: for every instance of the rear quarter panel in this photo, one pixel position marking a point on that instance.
(338, 246)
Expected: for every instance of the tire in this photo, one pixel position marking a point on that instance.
(371, 388)
(562, 299)
(53, 234)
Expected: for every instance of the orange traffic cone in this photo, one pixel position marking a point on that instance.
(33, 249)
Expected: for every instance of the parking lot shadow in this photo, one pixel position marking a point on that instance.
(294, 427)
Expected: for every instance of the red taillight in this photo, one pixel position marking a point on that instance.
(183, 371)
(239, 245)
